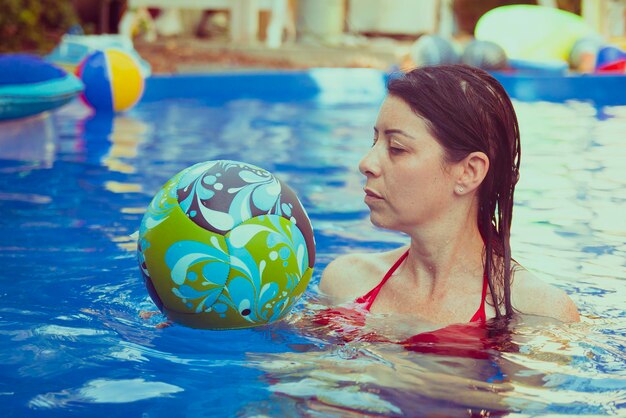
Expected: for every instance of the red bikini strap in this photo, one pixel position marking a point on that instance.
(480, 314)
(370, 297)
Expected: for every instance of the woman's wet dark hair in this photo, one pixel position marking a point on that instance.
(468, 110)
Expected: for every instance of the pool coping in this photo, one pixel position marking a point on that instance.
(365, 85)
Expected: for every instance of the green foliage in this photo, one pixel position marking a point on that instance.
(34, 25)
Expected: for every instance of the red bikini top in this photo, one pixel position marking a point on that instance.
(368, 299)
(470, 340)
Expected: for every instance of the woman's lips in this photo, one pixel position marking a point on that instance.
(371, 195)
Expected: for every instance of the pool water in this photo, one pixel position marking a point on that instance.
(73, 189)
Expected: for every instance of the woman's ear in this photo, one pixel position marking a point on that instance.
(472, 171)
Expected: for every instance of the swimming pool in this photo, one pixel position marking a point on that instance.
(73, 188)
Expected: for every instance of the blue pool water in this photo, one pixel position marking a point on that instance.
(73, 189)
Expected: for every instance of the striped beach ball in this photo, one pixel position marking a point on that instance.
(113, 80)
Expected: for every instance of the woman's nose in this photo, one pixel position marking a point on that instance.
(369, 163)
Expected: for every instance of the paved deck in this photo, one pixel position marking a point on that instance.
(193, 55)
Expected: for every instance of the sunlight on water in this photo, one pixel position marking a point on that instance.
(73, 188)
(106, 391)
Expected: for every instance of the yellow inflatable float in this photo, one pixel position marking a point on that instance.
(534, 33)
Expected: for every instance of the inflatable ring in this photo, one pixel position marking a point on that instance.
(536, 33)
(29, 85)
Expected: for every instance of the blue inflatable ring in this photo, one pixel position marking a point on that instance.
(29, 85)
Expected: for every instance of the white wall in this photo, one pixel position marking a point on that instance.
(410, 17)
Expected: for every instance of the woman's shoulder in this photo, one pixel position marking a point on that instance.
(350, 276)
(531, 295)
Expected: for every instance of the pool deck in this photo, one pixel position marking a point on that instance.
(190, 56)
(185, 55)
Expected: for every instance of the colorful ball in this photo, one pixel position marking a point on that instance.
(433, 50)
(484, 54)
(609, 54)
(113, 80)
(225, 245)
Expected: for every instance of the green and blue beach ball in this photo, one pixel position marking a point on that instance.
(225, 245)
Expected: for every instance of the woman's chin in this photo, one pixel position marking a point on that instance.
(378, 222)
(387, 224)
(374, 221)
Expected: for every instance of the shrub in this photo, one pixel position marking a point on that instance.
(34, 25)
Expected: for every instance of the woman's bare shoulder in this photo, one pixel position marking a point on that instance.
(531, 295)
(353, 275)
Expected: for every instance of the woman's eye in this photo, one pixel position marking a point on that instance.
(396, 150)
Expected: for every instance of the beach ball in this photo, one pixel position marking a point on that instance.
(113, 80)
(608, 56)
(486, 55)
(433, 50)
(225, 245)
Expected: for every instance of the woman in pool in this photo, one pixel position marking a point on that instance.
(442, 169)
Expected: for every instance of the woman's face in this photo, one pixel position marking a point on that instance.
(408, 183)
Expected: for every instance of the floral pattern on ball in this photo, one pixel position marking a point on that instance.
(269, 259)
(160, 208)
(219, 195)
(161, 205)
(265, 262)
(199, 272)
(142, 246)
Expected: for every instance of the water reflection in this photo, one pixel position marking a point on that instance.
(105, 391)
(31, 139)
(400, 385)
(360, 377)
(113, 140)
(567, 225)
(542, 366)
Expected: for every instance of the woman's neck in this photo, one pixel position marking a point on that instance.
(440, 257)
